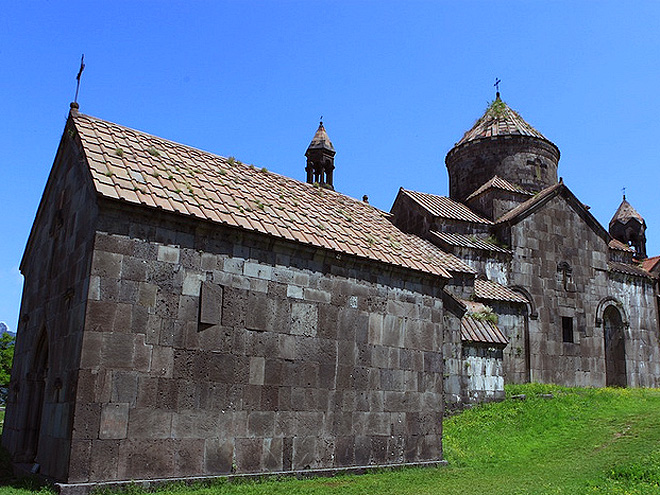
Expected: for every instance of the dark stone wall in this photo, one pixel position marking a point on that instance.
(494, 203)
(209, 351)
(636, 301)
(525, 161)
(545, 243)
(37, 427)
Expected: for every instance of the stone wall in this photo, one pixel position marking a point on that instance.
(512, 320)
(526, 161)
(562, 262)
(483, 367)
(636, 298)
(37, 426)
(209, 351)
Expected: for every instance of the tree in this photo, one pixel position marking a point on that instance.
(7, 342)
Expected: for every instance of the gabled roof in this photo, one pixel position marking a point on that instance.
(628, 269)
(144, 170)
(650, 264)
(620, 246)
(625, 213)
(468, 241)
(535, 203)
(492, 291)
(443, 207)
(499, 183)
(500, 120)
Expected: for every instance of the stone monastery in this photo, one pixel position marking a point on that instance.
(185, 314)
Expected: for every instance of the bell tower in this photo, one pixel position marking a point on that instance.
(320, 159)
(629, 227)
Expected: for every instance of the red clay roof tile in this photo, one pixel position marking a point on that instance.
(178, 178)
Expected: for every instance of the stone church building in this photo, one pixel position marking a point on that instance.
(186, 314)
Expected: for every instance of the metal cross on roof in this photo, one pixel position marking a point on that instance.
(82, 67)
(497, 84)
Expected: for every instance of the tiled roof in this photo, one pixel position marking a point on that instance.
(499, 120)
(475, 329)
(499, 183)
(619, 246)
(491, 291)
(482, 331)
(321, 140)
(443, 207)
(649, 264)
(628, 269)
(141, 169)
(625, 213)
(467, 241)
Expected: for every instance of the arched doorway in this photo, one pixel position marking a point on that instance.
(615, 349)
(36, 381)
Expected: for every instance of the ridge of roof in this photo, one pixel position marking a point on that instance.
(499, 120)
(542, 197)
(444, 207)
(625, 213)
(530, 203)
(142, 169)
(497, 182)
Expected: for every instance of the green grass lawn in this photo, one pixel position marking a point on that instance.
(581, 441)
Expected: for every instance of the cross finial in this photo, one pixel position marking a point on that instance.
(623, 190)
(82, 67)
(497, 86)
(321, 120)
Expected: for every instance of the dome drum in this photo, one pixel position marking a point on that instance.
(527, 161)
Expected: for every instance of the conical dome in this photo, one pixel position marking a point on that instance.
(321, 140)
(501, 143)
(499, 120)
(625, 213)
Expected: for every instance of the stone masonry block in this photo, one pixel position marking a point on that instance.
(294, 291)
(257, 367)
(107, 265)
(169, 254)
(192, 282)
(257, 270)
(194, 424)
(315, 295)
(304, 319)
(118, 350)
(149, 423)
(114, 421)
(218, 456)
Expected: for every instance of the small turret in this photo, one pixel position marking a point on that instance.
(629, 227)
(320, 159)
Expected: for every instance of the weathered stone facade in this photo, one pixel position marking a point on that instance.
(188, 315)
(159, 345)
(572, 301)
(226, 352)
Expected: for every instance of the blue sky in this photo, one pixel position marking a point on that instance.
(397, 84)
